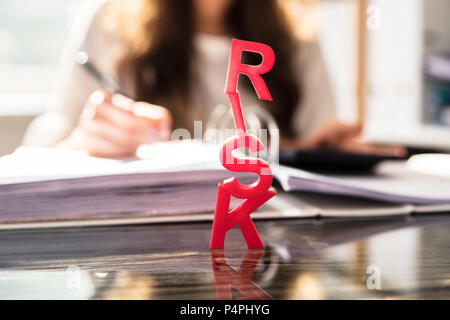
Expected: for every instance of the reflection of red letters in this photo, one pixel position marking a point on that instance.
(259, 192)
(226, 276)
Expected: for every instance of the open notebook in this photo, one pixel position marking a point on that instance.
(175, 182)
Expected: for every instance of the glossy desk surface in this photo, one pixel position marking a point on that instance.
(383, 258)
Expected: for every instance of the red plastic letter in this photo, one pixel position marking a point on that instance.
(235, 67)
(259, 192)
(226, 276)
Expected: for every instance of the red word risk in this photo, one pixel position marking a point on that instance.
(257, 193)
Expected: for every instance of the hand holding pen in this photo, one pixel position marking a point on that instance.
(112, 125)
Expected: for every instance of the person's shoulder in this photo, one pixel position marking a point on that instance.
(89, 15)
(95, 19)
(94, 33)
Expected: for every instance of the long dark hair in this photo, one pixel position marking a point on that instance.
(160, 48)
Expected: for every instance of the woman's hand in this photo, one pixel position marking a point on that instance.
(343, 137)
(115, 126)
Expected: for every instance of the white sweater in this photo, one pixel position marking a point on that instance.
(212, 52)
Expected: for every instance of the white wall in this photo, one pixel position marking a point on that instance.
(394, 84)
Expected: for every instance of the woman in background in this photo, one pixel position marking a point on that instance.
(171, 57)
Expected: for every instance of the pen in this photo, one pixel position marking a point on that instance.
(107, 82)
(110, 85)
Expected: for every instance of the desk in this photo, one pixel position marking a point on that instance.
(382, 258)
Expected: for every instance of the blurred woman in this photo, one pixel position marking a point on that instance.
(171, 58)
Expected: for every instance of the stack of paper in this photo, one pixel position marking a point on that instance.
(39, 184)
(178, 182)
(392, 182)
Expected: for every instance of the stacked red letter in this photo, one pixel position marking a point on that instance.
(259, 192)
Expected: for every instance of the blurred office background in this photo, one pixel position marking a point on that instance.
(388, 59)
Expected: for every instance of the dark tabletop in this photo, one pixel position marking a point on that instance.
(383, 258)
